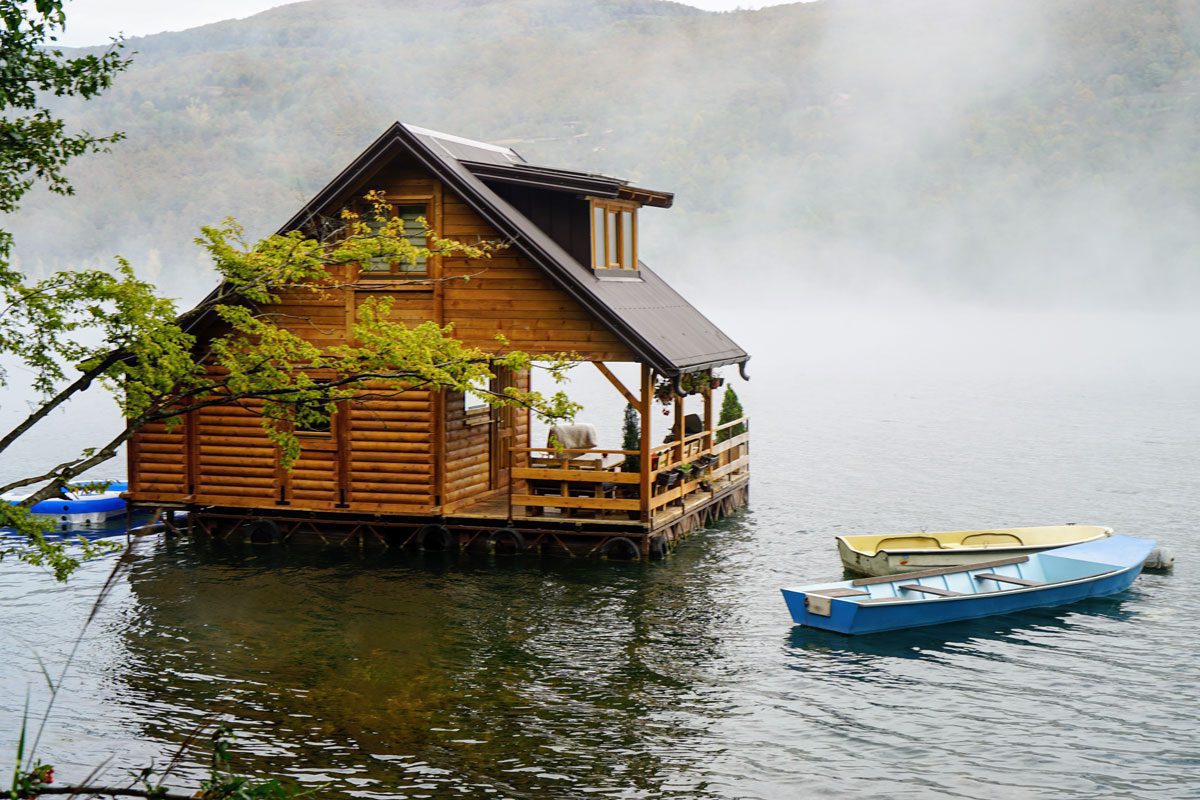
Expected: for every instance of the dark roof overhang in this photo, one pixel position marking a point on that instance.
(562, 180)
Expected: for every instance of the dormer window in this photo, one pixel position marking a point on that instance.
(414, 230)
(614, 234)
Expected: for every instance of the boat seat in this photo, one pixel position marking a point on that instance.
(840, 593)
(916, 587)
(991, 576)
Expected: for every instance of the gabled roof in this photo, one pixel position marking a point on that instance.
(648, 316)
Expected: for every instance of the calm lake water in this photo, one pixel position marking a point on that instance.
(410, 675)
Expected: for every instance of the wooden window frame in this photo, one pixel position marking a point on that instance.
(480, 414)
(394, 272)
(323, 433)
(613, 261)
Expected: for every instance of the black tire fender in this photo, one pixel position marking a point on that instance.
(261, 531)
(435, 537)
(510, 535)
(621, 547)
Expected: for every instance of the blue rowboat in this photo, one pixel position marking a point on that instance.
(1049, 578)
(84, 508)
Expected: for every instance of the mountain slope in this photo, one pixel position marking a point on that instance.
(1014, 149)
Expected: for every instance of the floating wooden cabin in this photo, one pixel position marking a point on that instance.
(425, 467)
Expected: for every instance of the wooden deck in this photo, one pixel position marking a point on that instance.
(590, 533)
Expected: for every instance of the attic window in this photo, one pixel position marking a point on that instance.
(414, 231)
(614, 234)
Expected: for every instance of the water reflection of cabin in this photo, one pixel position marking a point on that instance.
(422, 467)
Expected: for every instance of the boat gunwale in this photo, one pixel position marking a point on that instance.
(1006, 592)
(842, 540)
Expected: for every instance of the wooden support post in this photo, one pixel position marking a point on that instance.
(645, 406)
(709, 437)
(680, 429)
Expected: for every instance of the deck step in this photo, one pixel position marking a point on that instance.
(916, 587)
(992, 576)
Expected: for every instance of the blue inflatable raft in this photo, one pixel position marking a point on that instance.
(85, 508)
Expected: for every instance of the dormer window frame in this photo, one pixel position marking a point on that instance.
(614, 240)
(402, 270)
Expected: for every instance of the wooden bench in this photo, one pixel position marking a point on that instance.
(991, 576)
(929, 573)
(839, 593)
(916, 587)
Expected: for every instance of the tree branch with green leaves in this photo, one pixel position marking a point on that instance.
(232, 349)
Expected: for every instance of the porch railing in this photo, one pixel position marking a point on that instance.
(600, 484)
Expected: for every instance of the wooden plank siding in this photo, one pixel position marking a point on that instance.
(414, 452)
(509, 295)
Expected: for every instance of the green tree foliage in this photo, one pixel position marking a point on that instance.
(35, 146)
(119, 331)
(731, 409)
(631, 437)
(34, 142)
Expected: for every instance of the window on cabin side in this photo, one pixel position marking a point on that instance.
(614, 235)
(473, 402)
(414, 231)
(312, 417)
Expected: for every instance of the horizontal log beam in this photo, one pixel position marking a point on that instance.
(595, 503)
(575, 475)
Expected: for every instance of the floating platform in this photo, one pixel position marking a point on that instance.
(485, 525)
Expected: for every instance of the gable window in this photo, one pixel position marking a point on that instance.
(614, 234)
(414, 231)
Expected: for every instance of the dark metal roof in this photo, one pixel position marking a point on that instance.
(647, 315)
(563, 180)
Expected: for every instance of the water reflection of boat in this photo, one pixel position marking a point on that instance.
(1054, 577)
(890, 553)
(89, 506)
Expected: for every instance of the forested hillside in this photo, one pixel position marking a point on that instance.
(1024, 150)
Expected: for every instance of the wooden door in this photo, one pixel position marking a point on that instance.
(503, 424)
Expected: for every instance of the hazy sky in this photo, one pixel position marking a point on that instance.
(94, 21)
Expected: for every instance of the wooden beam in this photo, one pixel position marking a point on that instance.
(679, 430)
(710, 437)
(644, 409)
(615, 381)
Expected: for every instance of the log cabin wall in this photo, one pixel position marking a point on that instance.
(381, 454)
(476, 461)
(390, 451)
(510, 295)
(468, 442)
(157, 462)
(233, 462)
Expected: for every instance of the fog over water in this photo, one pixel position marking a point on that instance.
(960, 242)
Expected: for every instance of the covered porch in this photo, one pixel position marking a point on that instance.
(661, 489)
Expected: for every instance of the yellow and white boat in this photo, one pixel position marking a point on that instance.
(892, 553)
